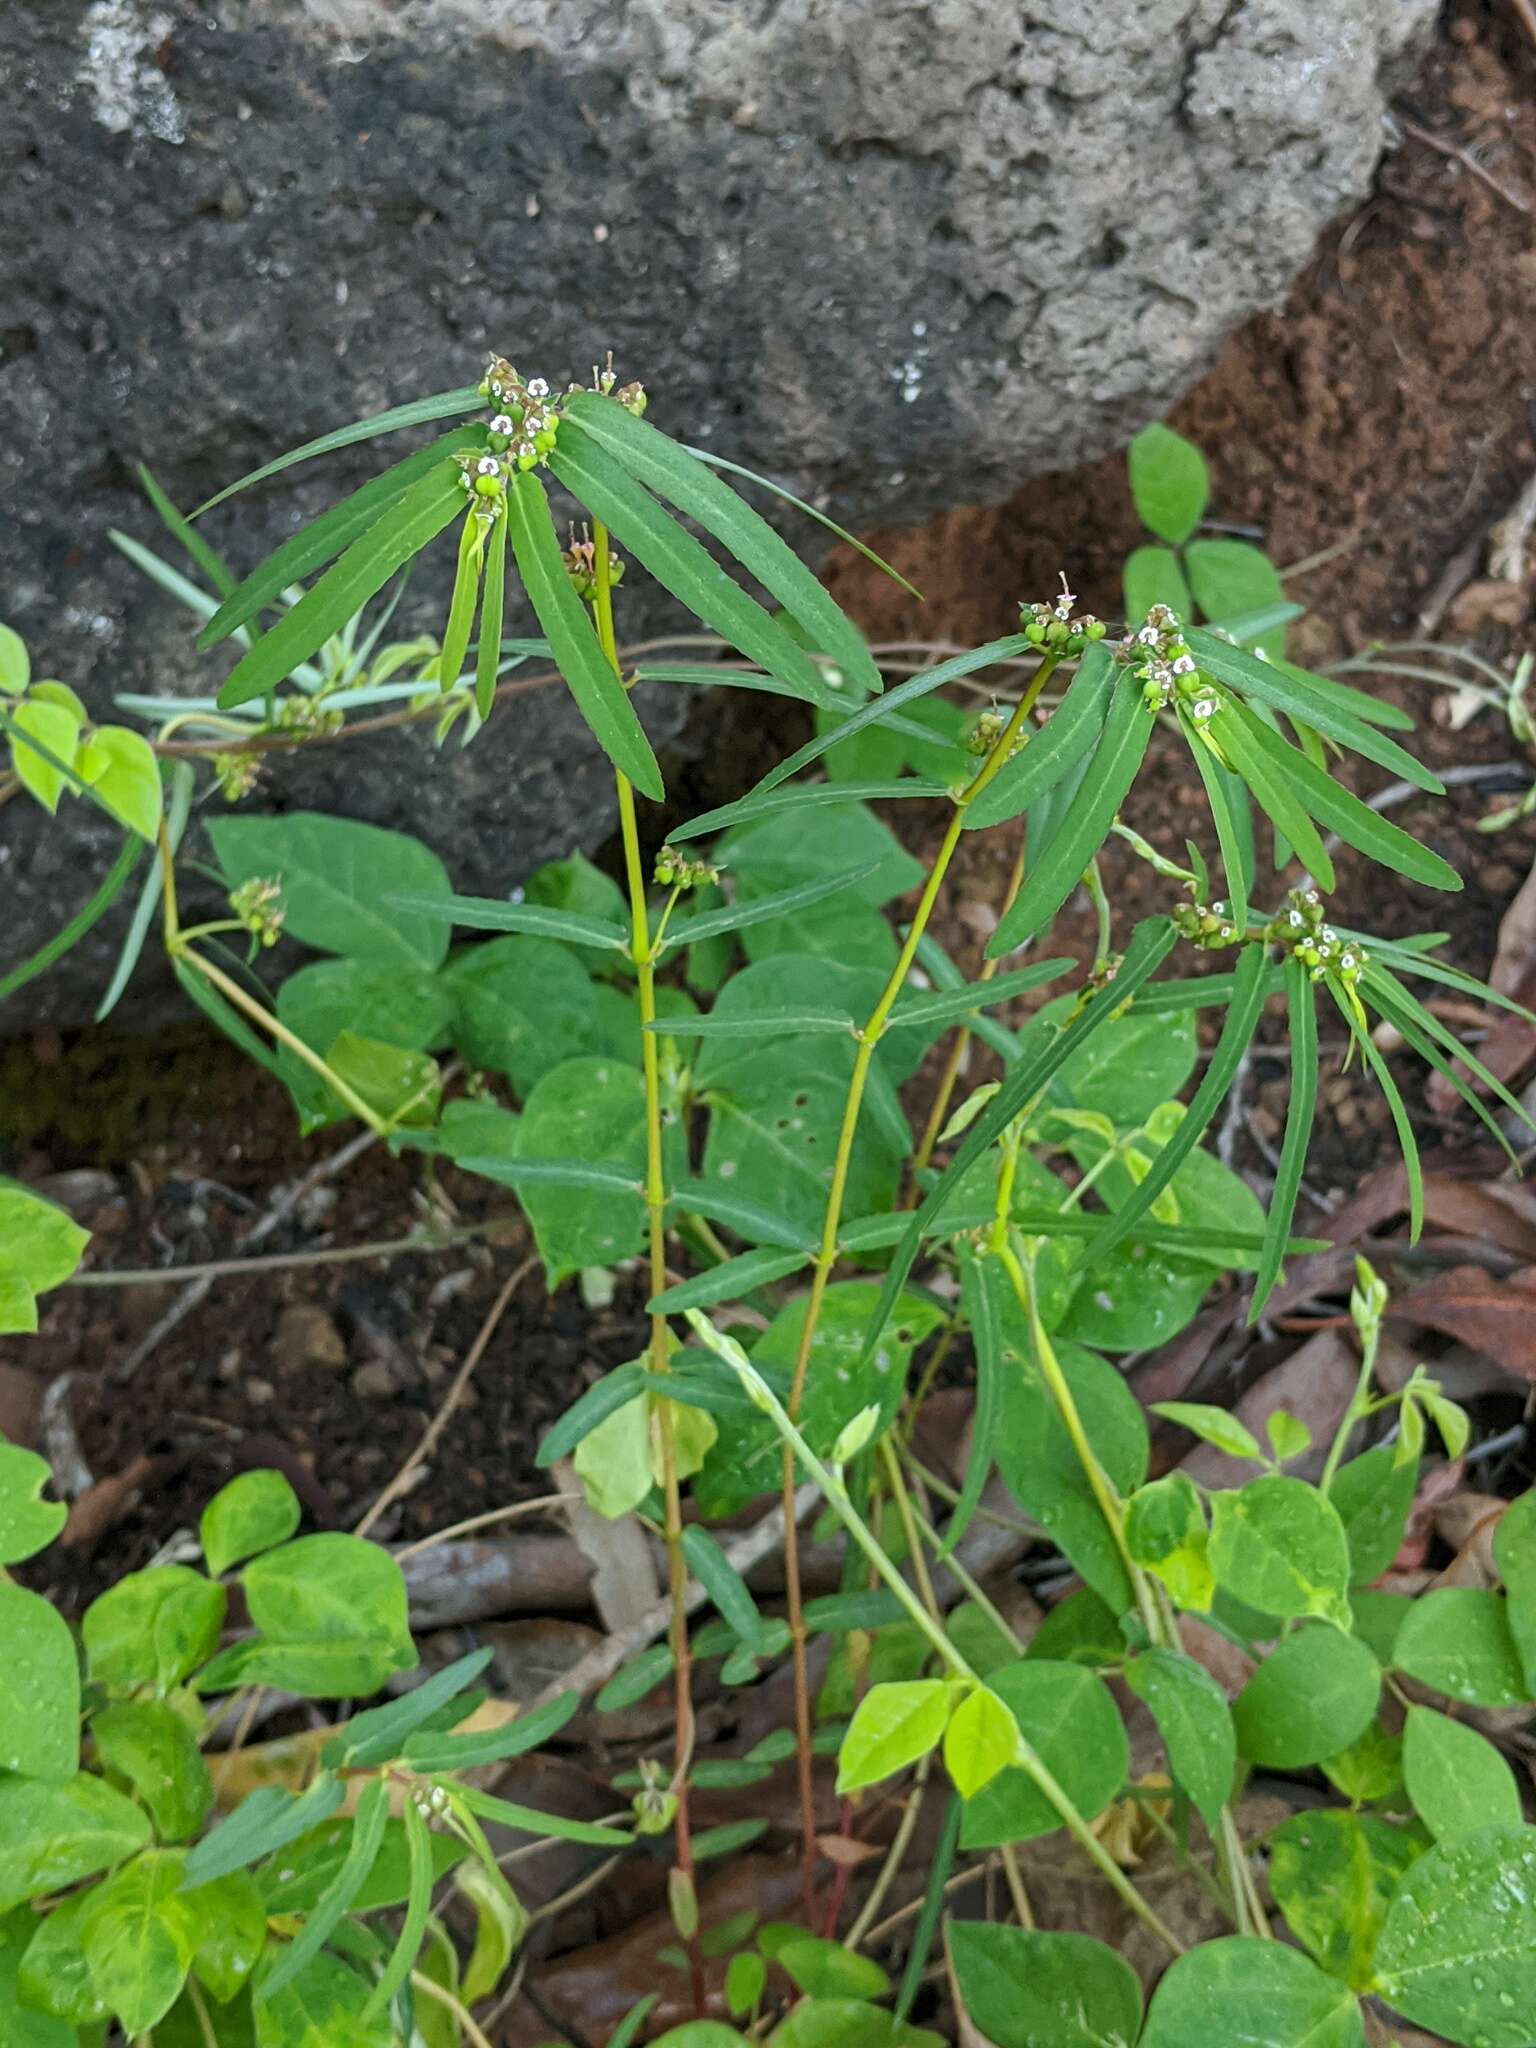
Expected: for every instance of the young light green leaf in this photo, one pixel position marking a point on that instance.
(152, 1628)
(1169, 482)
(1153, 575)
(461, 604)
(1217, 1426)
(1165, 1531)
(28, 1523)
(1455, 1777)
(982, 1739)
(599, 695)
(1458, 1950)
(255, 1511)
(1024, 1989)
(1278, 1546)
(15, 663)
(403, 530)
(492, 612)
(138, 1940)
(39, 1687)
(56, 729)
(892, 1726)
(1066, 1714)
(1195, 1723)
(678, 476)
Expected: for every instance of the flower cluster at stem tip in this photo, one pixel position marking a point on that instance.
(1302, 928)
(1161, 658)
(523, 428)
(258, 905)
(675, 871)
(580, 560)
(1053, 628)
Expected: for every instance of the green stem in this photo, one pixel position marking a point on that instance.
(826, 1256)
(1359, 1406)
(835, 1493)
(643, 954)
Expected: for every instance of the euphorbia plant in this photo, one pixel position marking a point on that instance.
(1062, 1211)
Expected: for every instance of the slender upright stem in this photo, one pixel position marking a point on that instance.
(938, 1116)
(642, 949)
(826, 1256)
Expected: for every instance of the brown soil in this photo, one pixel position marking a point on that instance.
(1389, 406)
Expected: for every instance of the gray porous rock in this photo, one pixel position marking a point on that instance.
(900, 254)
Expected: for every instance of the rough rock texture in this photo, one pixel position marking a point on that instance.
(900, 255)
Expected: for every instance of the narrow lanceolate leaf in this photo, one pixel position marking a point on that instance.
(1313, 701)
(600, 696)
(683, 481)
(413, 1927)
(1236, 1032)
(981, 1313)
(612, 1392)
(324, 538)
(849, 539)
(729, 1281)
(529, 1820)
(945, 1005)
(446, 405)
(718, 1202)
(485, 914)
(783, 903)
(1440, 1048)
(1236, 733)
(326, 1913)
(1413, 957)
(1199, 992)
(875, 713)
(551, 1173)
(707, 675)
(1401, 1123)
(89, 914)
(1229, 833)
(1343, 812)
(675, 558)
(725, 1586)
(1057, 869)
(461, 606)
(767, 1023)
(1151, 943)
(492, 611)
(1071, 730)
(207, 558)
(1298, 1130)
(404, 530)
(428, 1752)
(809, 796)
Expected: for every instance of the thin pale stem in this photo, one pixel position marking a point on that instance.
(420, 1981)
(1014, 1878)
(643, 954)
(826, 1256)
(1026, 1757)
(895, 1856)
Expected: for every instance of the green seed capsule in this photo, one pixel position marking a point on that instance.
(488, 486)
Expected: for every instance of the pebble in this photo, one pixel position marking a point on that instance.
(306, 1335)
(373, 1381)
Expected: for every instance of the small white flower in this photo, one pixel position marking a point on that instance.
(538, 387)
(501, 424)
(487, 466)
